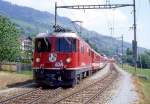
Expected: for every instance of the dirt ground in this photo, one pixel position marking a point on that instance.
(9, 80)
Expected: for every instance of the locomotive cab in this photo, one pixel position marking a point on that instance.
(62, 59)
(55, 56)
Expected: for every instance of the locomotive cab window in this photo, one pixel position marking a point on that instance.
(66, 45)
(42, 44)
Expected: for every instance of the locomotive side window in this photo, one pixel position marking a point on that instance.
(66, 45)
(42, 44)
(82, 49)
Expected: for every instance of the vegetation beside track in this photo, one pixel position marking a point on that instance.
(142, 81)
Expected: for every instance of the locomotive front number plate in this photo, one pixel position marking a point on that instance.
(59, 64)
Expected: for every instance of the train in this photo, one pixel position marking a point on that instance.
(63, 59)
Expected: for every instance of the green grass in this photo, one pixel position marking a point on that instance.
(144, 82)
(139, 71)
(29, 72)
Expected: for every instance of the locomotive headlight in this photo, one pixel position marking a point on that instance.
(37, 60)
(68, 60)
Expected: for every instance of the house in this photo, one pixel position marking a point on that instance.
(26, 43)
(26, 47)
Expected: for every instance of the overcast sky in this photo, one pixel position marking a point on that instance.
(102, 20)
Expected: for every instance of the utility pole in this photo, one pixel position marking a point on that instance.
(112, 31)
(134, 42)
(140, 62)
(55, 25)
(107, 2)
(122, 50)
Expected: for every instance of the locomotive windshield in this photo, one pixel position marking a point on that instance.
(66, 45)
(42, 44)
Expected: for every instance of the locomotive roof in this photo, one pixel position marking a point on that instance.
(41, 35)
(58, 34)
(63, 34)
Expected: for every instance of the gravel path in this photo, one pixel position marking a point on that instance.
(125, 93)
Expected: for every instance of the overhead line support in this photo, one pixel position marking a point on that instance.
(110, 6)
(107, 6)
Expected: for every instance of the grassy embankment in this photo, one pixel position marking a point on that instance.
(142, 80)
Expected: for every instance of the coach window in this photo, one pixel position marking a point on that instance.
(42, 44)
(82, 49)
(66, 45)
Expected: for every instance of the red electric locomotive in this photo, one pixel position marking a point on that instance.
(63, 58)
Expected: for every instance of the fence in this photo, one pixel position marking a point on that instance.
(18, 67)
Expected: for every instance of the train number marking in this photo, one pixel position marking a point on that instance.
(59, 64)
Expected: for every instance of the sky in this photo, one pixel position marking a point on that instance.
(113, 23)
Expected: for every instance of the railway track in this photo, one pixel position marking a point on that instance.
(78, 95)
(7, 93)
(88, 94)
(30, 97)
(18, 97)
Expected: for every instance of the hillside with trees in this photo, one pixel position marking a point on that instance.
(30, 22)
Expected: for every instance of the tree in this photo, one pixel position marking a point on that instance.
(129, 51)
(129, 56)
(145, 59)
(9, 40)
